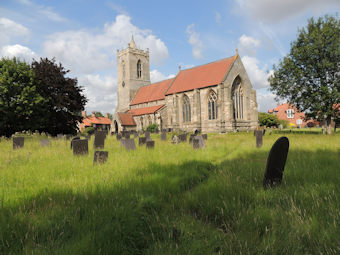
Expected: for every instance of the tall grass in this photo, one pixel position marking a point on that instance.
(172, 199)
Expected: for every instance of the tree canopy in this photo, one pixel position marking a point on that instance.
(308, 76)
(268, 120)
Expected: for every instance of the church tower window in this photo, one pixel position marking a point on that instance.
(212, 106)
(237, 98)
(139, 69)
(186, 109)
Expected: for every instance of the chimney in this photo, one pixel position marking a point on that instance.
(93, 114)
(83, 114)
(107, 115)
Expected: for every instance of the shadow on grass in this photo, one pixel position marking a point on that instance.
(195, 207)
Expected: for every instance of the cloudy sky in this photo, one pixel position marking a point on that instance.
(85, 35)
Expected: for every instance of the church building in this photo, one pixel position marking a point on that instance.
(214, 97)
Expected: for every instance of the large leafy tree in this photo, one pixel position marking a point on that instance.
(308, 76)
(64, 98)
(20, 102)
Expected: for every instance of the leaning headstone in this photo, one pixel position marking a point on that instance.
(147, 135)
(276, 162)
(74, 139)
(44, 143)
(80, 147)
(259, 138)
(100, 157)
(118, 136)
(205, 136)
(129, 144)
(163, 136)
(150, 144)
(198, 142)
(141, 141)
(99, 140)
(18, 142)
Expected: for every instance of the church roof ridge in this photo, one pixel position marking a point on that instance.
(212, 62)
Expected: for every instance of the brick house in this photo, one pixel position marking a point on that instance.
(289, 113)
(98, 123)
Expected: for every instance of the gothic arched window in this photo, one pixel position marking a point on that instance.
(139, 69)
(212, 106)
(186, 109)
(123, 68)
(237, 98)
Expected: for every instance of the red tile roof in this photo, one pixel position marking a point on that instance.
(152, 92)
(201, 76)
(145, 110)
(126, 119)
(98, 120)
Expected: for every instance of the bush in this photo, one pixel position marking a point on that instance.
(284, 123)
(152, 128)
(268, 120)
(88, 131)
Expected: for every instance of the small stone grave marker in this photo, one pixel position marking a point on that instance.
(99, 140)
(135, 134)
(198, 142)
(118, 136)
(191, 137)
(175, 139)
(150, 144)
(147, 134)
(141, 141)
(44, 143)
(276, 162)
(129, 144)
(205, 136)
(100, 157)
(259, 138)
(163, 136)
(80, 147)
(127, 135)
(74, 139)
(18, 142)
(183, 137)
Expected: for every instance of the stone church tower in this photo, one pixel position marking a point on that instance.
(133, 73)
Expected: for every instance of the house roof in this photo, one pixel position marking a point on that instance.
(152, 92)
(201, 76)
(97, 120)
(145, 110)
(126, 119)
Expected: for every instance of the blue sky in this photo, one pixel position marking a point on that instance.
(85, 35)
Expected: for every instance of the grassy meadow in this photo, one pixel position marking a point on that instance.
(172, 199)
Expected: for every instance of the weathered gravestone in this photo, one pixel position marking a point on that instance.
(44, 143)
(276, 162)
(135, 134)
(141, 141)
(150, 144)
(198, 142)
(80, 147)
(99, 140)
(74, 139)
(147, 135)
(100, 132)
(175, 139)
(191, 137)
(163, 136)
(183, 137)
(126, 134)
(259, 138)
(129, 144)
(18, 142)
(100, 157)
(205, 136)
(118, 136)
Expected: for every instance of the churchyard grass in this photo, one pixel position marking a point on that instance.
(170, 199)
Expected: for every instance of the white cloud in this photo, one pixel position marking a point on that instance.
(50, 14)
(10, 29)
(265, 101)
(194, 40)
(269, 11)
(258, 77)
(156, 76)
(18, 51)
(248, 45)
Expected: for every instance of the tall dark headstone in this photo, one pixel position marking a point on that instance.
(163, 136)
(100, 157)
(150, 144)
(18, 142)
(80, 147)
(147, 135)
(99, 140)
(276, 162)
(74, 139)
(44, 143)
(141, 141)
(259, 138)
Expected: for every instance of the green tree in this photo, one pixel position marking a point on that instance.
(109, 115)
(268, 120)
(308, 76)
(64, 98)
(98, 114)
(20, 102)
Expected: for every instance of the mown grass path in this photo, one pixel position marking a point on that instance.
(170, 200)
